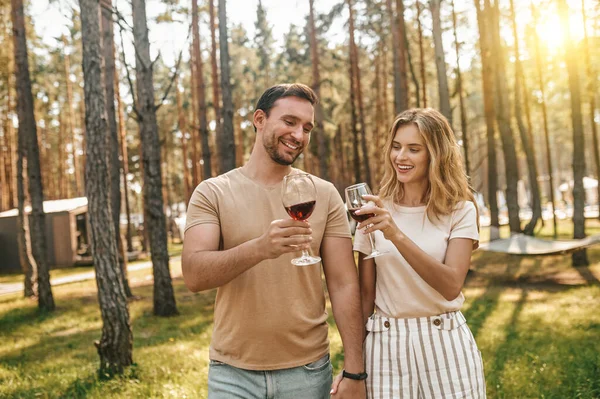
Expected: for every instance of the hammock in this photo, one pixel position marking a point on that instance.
(521, 244)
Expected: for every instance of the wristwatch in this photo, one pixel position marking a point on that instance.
(358, 377)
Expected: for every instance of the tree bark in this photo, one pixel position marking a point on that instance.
(503, 120)
(356, 72)
(200, 92)
(579, 258)
(316, 78)
(440, 61)
(182, 125)
(125, 160)
(164, 298)
(421, 53)
(536, 205)
(71, 119)
(62, 178)
(461, 97)
(196, 172)
(214, 70)
(591, 89)
(108, 49)
(27, 129)
(488, 104)
(28, 265)
(226, 142)
(115, 346)
(8, 187)
(400, 95)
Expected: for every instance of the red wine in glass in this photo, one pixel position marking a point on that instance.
(301, 211)
(354, 202)
(299, 197)
(360, 217)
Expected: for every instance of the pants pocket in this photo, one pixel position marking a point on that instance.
(318, 365)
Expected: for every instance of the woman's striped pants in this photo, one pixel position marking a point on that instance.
(426, 357)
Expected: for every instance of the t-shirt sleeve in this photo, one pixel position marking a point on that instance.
(464, 223)
(337, 220)
(361, 242)
(203, 206)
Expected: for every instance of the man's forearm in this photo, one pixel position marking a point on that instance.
(347, 312)
(204, 270)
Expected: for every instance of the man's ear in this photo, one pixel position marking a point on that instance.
(259, 118)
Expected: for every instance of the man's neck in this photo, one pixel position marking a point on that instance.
(265, 171)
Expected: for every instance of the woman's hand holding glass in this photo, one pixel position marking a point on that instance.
(380, 219)
(355, 201)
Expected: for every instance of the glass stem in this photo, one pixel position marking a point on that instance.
(305, 253)
(372, 240)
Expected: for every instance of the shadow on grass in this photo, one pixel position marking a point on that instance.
(545, 356)
(15, 318)
(481, 308)
(503, 351)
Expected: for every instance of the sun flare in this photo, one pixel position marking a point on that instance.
(551, 33)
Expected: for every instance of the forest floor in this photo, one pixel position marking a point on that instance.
(536, 321)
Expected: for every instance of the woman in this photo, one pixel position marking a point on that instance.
(418, 343)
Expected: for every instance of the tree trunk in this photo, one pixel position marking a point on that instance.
(400, 95)
(214, 70)
(27, 129)
(115, 346)
(503, 120)
(62, 176)
(579, 258)
(461, 97)
(541, 84)
(196, 173)
(488, 104)
(164, 298)
(182, 125)
(591, 89)
(319, 131)
(125, 160)
(28, 265)
(200, 92)
(8, 181)
(108, 49)
(226, 142)
(380, 122)
(440, 61)
(536, 206)
(356, 138)
(421, 53)
(354, 64)
(413, 75)
(70, 120)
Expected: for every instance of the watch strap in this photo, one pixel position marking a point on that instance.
(352, 376)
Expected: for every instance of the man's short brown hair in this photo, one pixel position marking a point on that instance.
(274, 93)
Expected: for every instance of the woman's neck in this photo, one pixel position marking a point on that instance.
(414, 195)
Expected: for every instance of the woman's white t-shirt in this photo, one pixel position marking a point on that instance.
(400, 291)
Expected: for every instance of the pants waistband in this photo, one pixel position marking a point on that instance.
(445, 321)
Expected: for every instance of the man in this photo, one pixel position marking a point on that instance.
(270, 324)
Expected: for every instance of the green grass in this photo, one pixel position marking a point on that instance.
(536, 319)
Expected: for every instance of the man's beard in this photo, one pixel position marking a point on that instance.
(271, 148)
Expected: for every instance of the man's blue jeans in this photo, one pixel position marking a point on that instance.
(311, 381)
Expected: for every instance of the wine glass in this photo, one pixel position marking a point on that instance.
(354, 201)
(299, 198)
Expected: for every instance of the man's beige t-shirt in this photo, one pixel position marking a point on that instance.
(273, 315)
(400, 292)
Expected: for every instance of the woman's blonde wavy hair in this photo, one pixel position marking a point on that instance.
(448, 182)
